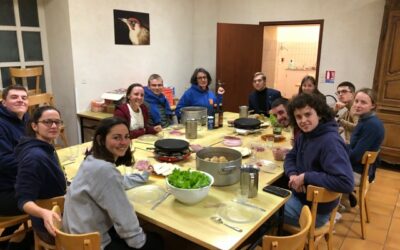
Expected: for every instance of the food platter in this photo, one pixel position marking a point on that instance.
(164, 168)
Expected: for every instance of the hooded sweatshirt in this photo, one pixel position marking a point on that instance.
(196, 96)
(11, 130)
(39, 174)
(322, 155)
(159, 108)
(367, 136)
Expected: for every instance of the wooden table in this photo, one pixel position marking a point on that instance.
(193, 222)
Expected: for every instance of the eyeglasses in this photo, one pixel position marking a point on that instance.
(49, 123)
(340, 92)
(202, 78)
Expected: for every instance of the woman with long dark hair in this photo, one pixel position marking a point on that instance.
(40, 175)
(96, 199)
(135, 112)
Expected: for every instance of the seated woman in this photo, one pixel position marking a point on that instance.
(319, 157)
(310, 86)
(40, 175)
(96, 199)
(199, 94)
(135, 112)
(367, 135)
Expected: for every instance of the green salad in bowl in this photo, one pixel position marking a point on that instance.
(189, 186)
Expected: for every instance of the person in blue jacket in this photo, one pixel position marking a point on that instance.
(157, 103)
(369, 133)
(13, 119)
(199, 94)
(319, 157)
(261, 99)
(40, 175)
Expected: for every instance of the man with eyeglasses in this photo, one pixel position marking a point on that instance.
(157, 103)
(347, 121)
(13, 120)
(261, 98)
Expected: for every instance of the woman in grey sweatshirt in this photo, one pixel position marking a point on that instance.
(96, 199)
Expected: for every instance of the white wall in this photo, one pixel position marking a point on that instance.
(350, 36)
(100, 65)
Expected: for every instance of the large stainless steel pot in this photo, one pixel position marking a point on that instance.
(224, 174)
(194, 112)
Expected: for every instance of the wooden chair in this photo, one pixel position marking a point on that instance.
(46, 99)
(9, 221)
(36, 72)
(368, 158)
(48, 204)
(64, 241)
(318, 195)
(292, 242)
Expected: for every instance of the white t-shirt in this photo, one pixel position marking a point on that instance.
(136, 118)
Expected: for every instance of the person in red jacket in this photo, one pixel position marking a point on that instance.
(135, 113)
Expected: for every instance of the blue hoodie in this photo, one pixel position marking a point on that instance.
(367, 136)
(155, 103)
(322, 155)
(195, 96)
(11, 130)
(39, 174)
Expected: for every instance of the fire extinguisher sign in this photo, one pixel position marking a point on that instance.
(330, 76)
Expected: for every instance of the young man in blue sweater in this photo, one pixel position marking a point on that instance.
(319, 157)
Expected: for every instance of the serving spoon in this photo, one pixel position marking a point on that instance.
(220, 221)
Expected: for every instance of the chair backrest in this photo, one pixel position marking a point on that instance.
(25, 73)
(64, 241)
(41, 99)
(292, 242)
(321, 195)
(50, 203)
(368, 159)
(9, 221)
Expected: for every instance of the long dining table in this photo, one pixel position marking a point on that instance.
(193, 222)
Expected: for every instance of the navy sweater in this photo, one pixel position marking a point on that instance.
(270, 94)
(39, 174)
(322, 155)
(11, 130)
(367, 136)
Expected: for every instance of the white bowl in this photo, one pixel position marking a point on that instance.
(190, 196)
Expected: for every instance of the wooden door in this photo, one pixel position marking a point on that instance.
(387, 81)
(239, 56)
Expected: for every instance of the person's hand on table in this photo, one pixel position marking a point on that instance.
(158, 128)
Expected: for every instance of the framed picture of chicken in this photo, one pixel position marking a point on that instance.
(131, 28)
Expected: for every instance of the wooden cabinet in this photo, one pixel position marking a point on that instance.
(89, 122)
(387, 81)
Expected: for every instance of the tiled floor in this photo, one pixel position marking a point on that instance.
(383, 231)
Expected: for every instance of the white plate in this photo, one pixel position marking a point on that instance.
(267, 166)
(239, 213)
(265, 124)
(243, 150)
(146, 194)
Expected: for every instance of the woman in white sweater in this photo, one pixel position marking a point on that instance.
(96, 199)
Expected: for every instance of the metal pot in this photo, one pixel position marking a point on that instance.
(224, 174)
(194, 112)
